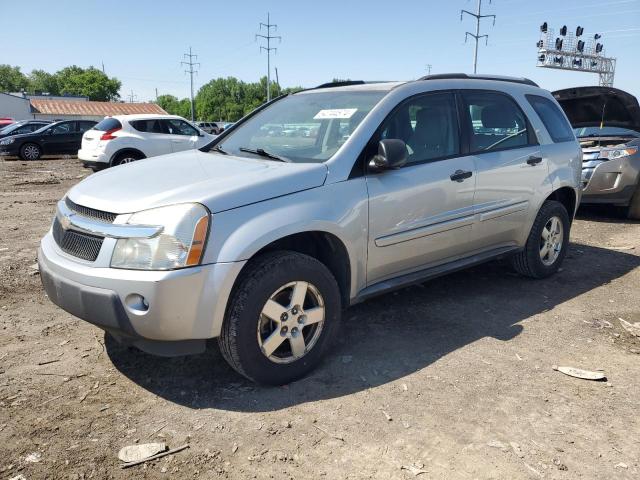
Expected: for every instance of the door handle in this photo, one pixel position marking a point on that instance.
(533, 160)
(460, 175)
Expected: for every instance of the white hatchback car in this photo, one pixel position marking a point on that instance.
(127, 138)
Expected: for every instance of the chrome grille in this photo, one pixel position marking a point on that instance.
(99, 215)
(81, 245)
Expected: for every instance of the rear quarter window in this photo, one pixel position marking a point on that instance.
(108, 124)
(552, 118)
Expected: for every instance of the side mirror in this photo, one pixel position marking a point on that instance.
(392, 154)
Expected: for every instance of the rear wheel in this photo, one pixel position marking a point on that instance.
(281, 318)
(547, 244)
(126, 157)
(633, 210)
(30, 151)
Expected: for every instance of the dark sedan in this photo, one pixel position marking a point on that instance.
(62, 137)
(25, 126)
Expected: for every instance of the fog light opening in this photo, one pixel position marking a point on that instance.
(136, 303)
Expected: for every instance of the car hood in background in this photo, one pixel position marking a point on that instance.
(584, 107)
(220, 182)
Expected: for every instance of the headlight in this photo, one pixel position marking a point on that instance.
(180, 244)
(613, 153)
(7, 141)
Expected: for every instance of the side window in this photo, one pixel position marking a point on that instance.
(84, 126)
(428, 124)
(62, 128)
(552, 118)
(180, 127)
(148, 126)
(25, 129)
(496, 122)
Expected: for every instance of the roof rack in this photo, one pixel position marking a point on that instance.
(342, 83)
(464, 76)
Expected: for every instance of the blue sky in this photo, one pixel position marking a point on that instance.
(142, 42)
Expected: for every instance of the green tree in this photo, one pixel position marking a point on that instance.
(174, 106)
(41, 81)
(12, 79)
(90, 82)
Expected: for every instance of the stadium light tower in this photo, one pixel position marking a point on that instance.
(572, 51)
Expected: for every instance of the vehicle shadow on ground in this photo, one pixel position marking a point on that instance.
(386, 338)
(604, 214)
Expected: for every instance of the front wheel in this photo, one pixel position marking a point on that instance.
(547, 244)
(30, 151)
(281, 318)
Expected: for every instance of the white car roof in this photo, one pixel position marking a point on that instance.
(144, 116)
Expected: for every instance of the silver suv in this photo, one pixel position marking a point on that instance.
(314, 202)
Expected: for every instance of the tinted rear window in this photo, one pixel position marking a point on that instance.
(108, 124)
(553, 119)
(149, 126)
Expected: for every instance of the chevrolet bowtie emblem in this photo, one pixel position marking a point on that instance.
(65, 221)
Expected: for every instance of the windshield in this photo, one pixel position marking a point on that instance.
(303, 128)
(605, 132)
(9, 128)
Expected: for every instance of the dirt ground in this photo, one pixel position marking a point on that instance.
(452, 379)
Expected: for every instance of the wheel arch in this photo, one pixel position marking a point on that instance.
(126, 150)
(322, 245)
(566, 196)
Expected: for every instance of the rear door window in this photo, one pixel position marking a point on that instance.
(83, 126)
(152, 125)
(554, 121)
(496, 122)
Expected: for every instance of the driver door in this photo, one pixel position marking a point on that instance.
(61, 139)
(421, 214)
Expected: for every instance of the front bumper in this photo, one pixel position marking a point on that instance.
(610, 182)
(9, 150)
(183, 307)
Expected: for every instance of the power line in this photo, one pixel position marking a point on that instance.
(478, 16)
(132, 96)
(268, 37)
(192, 69)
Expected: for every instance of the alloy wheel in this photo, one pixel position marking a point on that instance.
(291, 322)
(551, 241)
(31, 152)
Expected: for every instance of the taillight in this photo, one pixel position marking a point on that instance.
(108, 135)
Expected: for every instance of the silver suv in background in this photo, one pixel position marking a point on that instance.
(262, 238)
(607, 123)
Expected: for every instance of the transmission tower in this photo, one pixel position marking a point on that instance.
(192, 68)
(268, 37)
(478, 16)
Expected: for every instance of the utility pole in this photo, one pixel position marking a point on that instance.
(478, 16)
(156, 94)
(268, 37)
(132, 97)
(192, 69)
(277, 80)
(428, 69)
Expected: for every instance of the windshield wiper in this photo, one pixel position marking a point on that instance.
(219, 149)
(263, 153)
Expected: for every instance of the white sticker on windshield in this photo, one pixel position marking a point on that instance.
(335, 113)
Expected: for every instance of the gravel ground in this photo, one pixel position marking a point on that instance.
(452, 378)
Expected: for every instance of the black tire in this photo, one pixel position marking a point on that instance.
(126, 157)
(528, 262)
(30, 151)
(633, 210)
(262, 277)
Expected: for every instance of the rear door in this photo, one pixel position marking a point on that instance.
(421, 214)
(511, 167)
(153, 137)
(183, 136)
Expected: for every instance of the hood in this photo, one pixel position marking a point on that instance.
(584, 107)
(220, 182)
